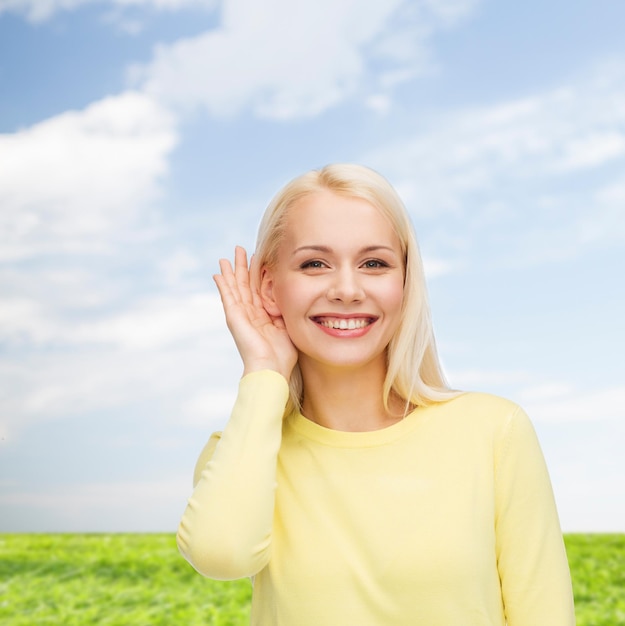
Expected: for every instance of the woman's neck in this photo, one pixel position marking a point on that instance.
(348, 399)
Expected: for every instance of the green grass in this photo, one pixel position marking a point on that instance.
(598, 571)
(112, 580)
(140, 580)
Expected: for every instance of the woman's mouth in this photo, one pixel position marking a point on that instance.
(344, 323)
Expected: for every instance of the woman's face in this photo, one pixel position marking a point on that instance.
(338, 281)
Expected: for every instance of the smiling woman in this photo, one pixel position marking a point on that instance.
(351, 482)
(340, 298)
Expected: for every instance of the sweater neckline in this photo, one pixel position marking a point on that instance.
(349, 439)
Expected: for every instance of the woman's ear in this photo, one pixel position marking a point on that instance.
(267, 293)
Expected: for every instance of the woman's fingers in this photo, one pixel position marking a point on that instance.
(240, 261)
(226, 283)
(238, 286)
(242, 274)
(254, 283)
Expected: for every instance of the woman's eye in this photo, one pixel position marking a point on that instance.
(373, 264)
(313, 265)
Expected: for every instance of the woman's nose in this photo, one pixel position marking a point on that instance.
(345, 286)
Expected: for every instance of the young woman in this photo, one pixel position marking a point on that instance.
(351, 482)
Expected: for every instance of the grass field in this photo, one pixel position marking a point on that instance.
(140, 580)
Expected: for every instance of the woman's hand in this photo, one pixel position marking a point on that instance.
(262, 340)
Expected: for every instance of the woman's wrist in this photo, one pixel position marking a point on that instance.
(263, 365)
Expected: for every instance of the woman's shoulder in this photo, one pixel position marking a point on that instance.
(478, 416)
(478, 406)
(482, 400)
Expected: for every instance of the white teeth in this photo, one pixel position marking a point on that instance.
(345, 324)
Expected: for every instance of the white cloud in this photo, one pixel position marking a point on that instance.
(152, 324)
(606, 222)
(24, 321)
(474, 150)
(156, 323)
(179, 267)
(285, 59)
(211, 405)
(592, 151)
(555, 401)
(505, 179)
(434, 267)
(129, 506)
(561, 403)
(171, 353)
(451, 11)
(164, 386)
(380, 103)
(40, 10)
(478, 379)
(72, 180)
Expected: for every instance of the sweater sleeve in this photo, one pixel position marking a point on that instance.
(531, 557)
(225, 531)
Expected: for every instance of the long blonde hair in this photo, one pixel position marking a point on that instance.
(413, 369)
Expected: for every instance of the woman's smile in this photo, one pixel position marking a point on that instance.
(344, 326)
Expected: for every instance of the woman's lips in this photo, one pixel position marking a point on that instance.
(356, 325)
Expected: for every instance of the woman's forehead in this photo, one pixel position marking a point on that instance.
(328, 219)
(321, 207)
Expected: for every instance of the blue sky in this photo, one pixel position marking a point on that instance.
(140, 140)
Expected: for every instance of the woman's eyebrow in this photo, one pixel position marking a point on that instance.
(313, 248)
(328, 250)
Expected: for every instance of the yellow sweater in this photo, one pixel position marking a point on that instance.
(446, 518)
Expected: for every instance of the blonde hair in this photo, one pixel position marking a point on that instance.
(413, 368)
